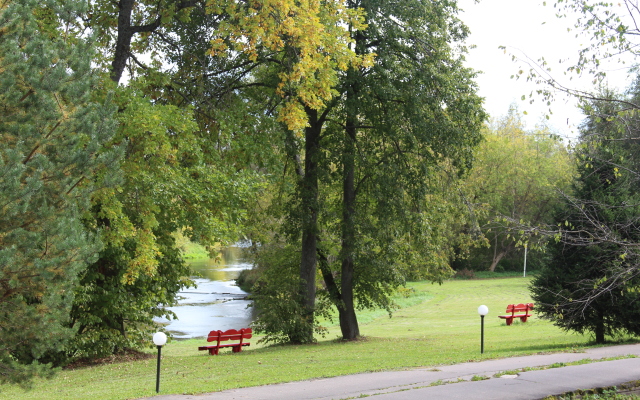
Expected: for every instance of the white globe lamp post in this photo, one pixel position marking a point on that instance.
(159, 339)
(482, 310)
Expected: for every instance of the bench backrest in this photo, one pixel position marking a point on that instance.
(230, 334)
(513, 308)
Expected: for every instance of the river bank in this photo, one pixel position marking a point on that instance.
(216, 302)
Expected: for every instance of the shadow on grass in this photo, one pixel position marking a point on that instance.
(568, 348)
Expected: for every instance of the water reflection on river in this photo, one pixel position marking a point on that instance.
(216, 302)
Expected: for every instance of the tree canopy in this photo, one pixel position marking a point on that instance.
(518, 179)
(365, 167)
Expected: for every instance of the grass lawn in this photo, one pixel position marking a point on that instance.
(437, 325)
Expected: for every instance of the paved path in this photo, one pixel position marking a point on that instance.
(415, 383)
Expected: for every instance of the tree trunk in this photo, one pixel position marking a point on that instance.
(599, 330)
(309, 199)
(496, 259)
(499, 254)
(122, 50)
(123, 40)
(346, 308)
(347, 313)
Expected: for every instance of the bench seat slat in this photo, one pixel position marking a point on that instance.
(223, 345)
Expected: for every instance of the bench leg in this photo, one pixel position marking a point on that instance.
(509, 320)
(237, 349)
(213, 351)
(523, 319)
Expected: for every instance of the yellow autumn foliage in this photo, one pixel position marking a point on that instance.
(313, 33)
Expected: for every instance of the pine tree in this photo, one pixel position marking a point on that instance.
(51, 150)
(590, 285)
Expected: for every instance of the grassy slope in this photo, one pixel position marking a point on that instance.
(442, 328)
(191, 250)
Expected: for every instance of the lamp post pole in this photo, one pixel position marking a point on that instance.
(159, 338)
(482, 310)
(158, 371)
(481, 339)
(524, 273)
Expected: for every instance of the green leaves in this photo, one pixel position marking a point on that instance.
(518, 174)
(174, 179)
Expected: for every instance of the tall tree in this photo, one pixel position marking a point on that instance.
(413, 110)
(611, 38)
(365, 159)
(52, 156)
(591, 282)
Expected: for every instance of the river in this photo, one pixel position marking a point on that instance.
(216, 302)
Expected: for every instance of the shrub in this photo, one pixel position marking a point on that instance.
(276, 296)
(465, 274)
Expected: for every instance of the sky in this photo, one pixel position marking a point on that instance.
(530, 30)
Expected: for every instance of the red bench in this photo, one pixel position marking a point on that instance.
(517, 308)
(231, 334)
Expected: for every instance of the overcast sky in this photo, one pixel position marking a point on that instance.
(529, 29)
